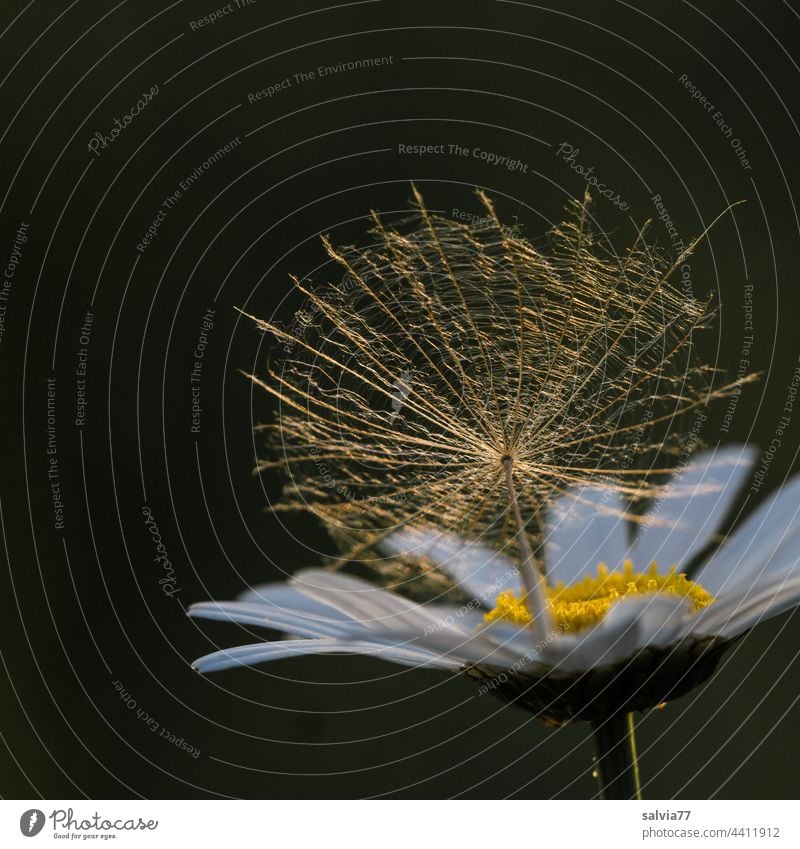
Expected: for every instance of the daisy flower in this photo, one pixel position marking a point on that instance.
(618, 627)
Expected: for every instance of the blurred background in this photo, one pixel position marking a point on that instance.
(166, 165)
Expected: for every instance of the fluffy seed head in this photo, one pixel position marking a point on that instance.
(448, 350)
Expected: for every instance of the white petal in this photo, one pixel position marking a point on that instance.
(582, 529)
(656, 621)
(691, 510)
(357, 598)
(261, 652)
(483, 572)
(391, 618)
(292, 622)
(281, 595)
(516, 646)
(733, 615)
(756, 548)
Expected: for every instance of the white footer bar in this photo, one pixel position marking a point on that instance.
(399, 824)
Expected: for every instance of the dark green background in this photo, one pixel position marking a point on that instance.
(82, 608)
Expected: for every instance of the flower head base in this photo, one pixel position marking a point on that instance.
(586, 602)
(650, 678)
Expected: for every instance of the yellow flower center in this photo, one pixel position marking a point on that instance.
(586, 602)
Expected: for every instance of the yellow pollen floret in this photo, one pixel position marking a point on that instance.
(586, 602)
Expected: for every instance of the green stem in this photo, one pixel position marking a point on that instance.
(616, 768)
